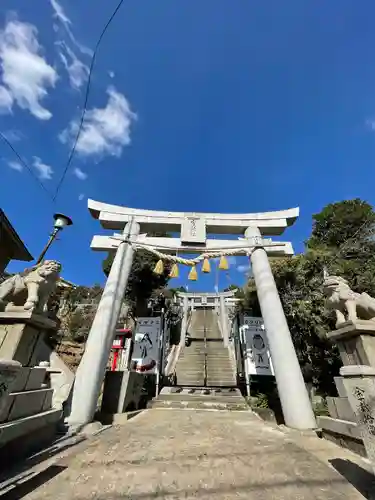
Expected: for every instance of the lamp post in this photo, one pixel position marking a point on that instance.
(60, 222)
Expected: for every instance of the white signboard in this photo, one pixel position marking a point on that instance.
(146, 352)
(193, 229)
(255, 347)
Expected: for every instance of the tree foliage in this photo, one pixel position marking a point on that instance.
(178, 289)
(341, 241)
(79, 323)
(142, 280)
(74, 309)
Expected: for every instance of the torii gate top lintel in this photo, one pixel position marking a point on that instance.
(269, 223)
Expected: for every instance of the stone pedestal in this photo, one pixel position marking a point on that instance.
(356, 342)
(20, 336)
(122, 392)
(359, 382)
(9, 371)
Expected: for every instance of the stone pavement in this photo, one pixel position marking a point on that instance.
(175, 454)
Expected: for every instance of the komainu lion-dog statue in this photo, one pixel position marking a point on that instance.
(348, 305)
(31, 289)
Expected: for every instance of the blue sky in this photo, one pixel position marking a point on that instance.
(209, 105)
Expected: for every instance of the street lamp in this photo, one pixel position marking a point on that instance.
(61, 221)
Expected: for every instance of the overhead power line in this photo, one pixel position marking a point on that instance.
(88, 86)
(23, 163)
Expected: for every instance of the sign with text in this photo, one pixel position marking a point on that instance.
(193, 229)
(255, 347)
(146, 352)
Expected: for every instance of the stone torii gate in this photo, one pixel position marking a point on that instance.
(205, 299)
(193, 229)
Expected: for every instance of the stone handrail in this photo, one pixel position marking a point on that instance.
(176, 350)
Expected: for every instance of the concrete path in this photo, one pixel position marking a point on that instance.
(175, 454)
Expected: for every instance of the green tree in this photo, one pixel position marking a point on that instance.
(341, 241)
(178, 289)
(79, 323)
(339, 222)
(142, 280)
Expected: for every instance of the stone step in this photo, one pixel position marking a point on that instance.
(199, 405)
(25, 428)
(219, 362)
(210, 398)
(226, 379)
(191, 370)
(26, 403)
(193, 381)
(219, 366)
(220, 377)
(222, 384)
(214, 372)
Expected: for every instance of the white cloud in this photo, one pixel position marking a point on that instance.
(26, 75)
(105, 130)
(44, 171)
(232, 260)
(243, 268)
(78, 71)
(111, 74)
(6, 100)
(15, 165)
(371, 124)
(13, 135)
(60, 13)
(80, 174)
(81, 196)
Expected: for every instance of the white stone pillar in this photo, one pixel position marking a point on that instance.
(224, 321)
(184, 322)
(91, 370)
(293, 395)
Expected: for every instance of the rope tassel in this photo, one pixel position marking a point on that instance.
(223, 264)
(174, 271)
(159, 268)
(193, 275)
(206, 267)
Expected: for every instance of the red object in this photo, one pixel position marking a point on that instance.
(119, 343)
(145, 368)
(114, 362)
(125, 332)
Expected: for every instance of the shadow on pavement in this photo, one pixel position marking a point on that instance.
(21, 490)
(360, 478)
(17, 472)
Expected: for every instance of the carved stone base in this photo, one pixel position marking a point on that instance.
(9, 371)
(356, 342)
(20, 334)
(359, 382)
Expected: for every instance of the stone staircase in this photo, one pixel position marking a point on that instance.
(219, 368)
(206, 362)
(200, 399)
(190, 368)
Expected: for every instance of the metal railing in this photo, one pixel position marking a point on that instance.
(205, 348)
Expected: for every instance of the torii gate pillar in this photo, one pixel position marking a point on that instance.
(91, 370)
(291, 387)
